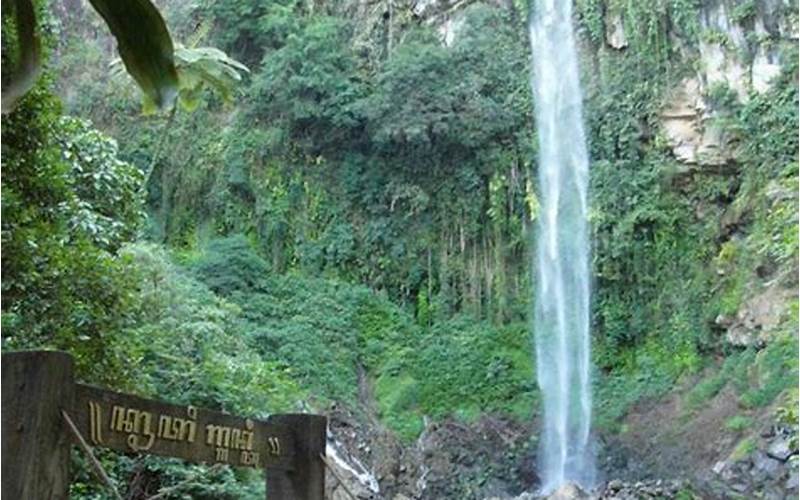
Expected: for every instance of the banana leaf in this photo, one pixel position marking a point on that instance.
(145, 48)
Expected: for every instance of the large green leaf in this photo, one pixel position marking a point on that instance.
(145, 47)
(20, 79)
(201, 68)
(210, 67)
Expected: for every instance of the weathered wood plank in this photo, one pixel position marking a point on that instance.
(36, 386)
(307, 480)
(132, 424)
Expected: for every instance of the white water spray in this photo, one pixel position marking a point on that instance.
(350, 465)
(561, 317)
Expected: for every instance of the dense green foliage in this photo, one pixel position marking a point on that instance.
(69, 203)
(325, 174)
(332, 335)
(185, 345)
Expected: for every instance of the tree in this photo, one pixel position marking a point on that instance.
(68, 204)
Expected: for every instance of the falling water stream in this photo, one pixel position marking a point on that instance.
(561, 317)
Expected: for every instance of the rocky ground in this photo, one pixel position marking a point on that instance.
(664, 439)
(769, 471)
(450, 460)
(663, 454)
(614, 490)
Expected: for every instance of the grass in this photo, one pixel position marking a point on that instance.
(775, 369)
(758, 378)
(745, 447)
(617, 392)
(706, 389)
(734, 368)
(460, 368)
(738, 423)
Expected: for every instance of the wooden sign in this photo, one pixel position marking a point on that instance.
(44, 409)
(132, 424)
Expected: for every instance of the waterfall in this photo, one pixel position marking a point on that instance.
(350, 464)
(561, 316)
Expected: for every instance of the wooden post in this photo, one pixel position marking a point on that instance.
(307, 480)
(36, 386)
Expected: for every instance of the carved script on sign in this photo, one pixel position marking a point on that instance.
(44, 408)
(132, 424)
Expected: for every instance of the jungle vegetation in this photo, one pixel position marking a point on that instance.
(348, 204)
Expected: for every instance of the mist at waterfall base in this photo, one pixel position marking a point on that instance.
(561, 262)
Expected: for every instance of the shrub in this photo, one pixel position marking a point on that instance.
(738, 423)
(230, 264)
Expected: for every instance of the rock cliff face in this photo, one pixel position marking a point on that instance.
(686, 120)
(757, 319)
(739, 48)
(738, 53)
(381, 23)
